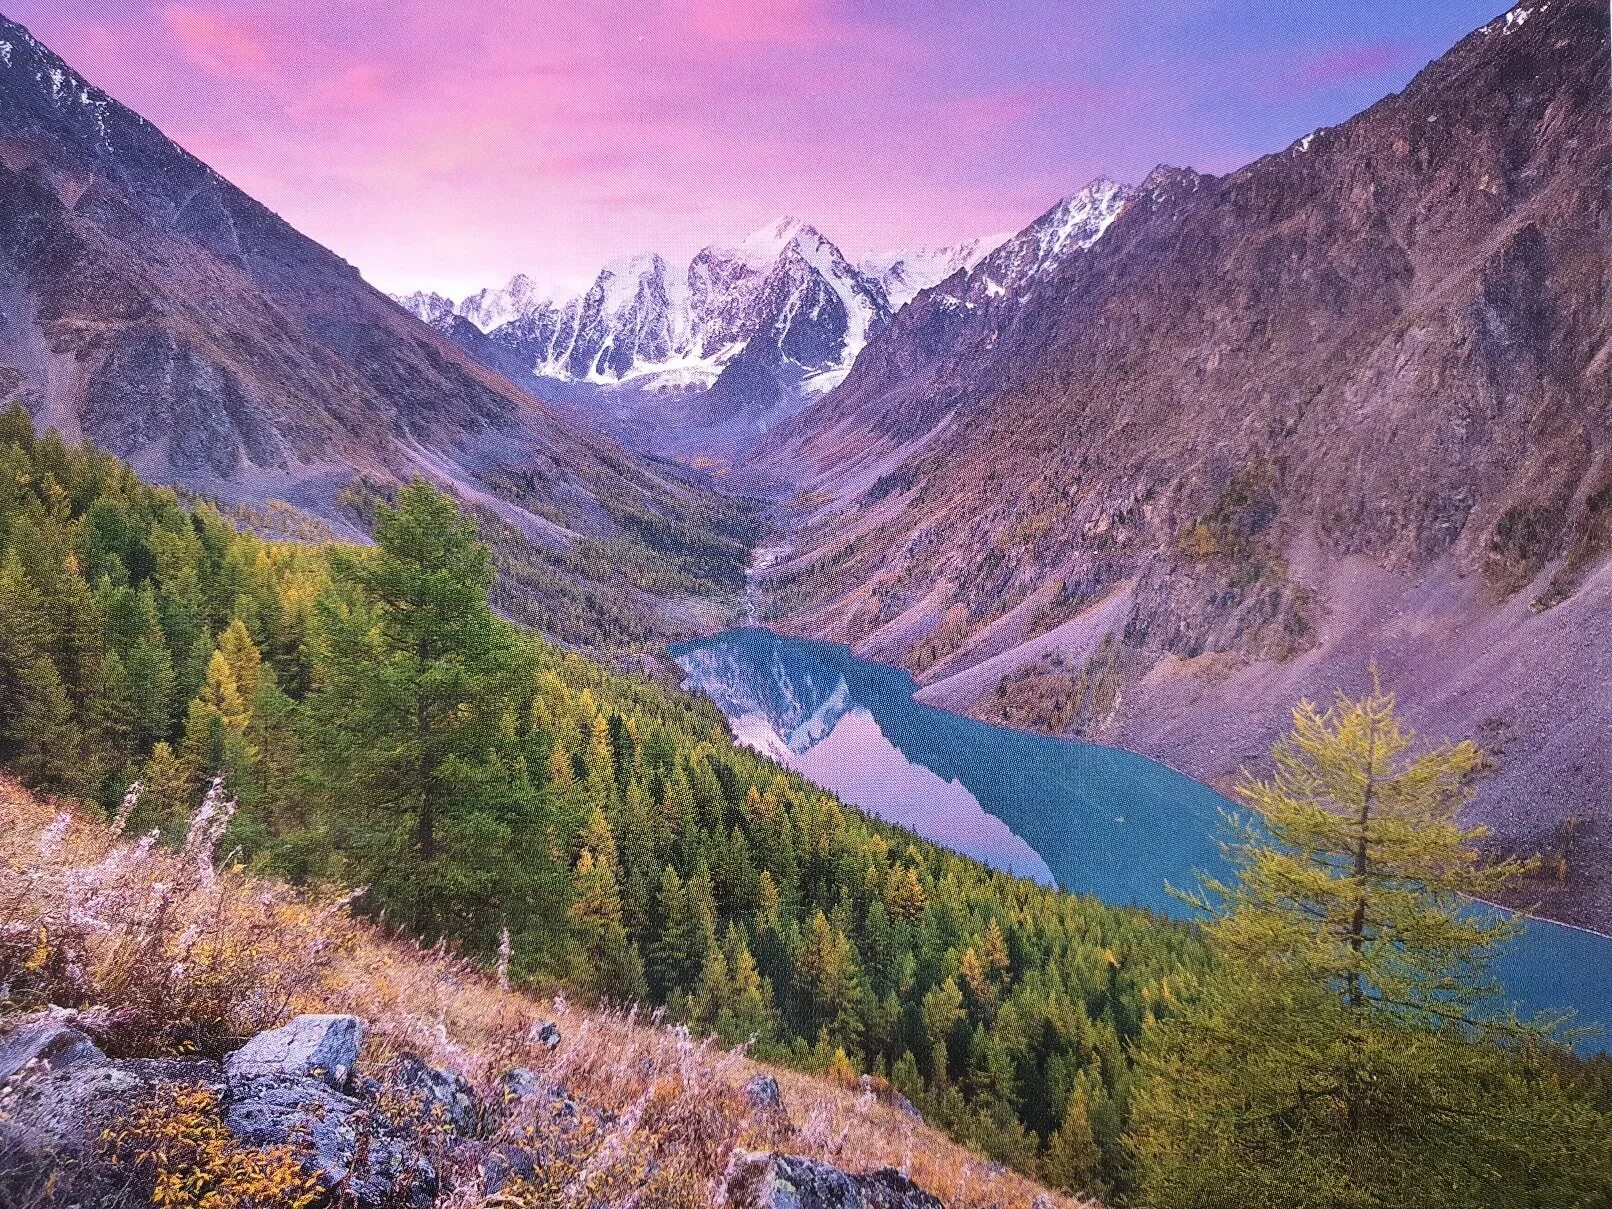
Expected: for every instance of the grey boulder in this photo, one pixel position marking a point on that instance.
(762, 1093)
(62, 1096)
(443, 1097)
(320, 1047)
(780, 1181)
(42, 1043)
(352, 1148)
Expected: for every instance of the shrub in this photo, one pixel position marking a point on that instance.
(179, 1148)
(164, 951)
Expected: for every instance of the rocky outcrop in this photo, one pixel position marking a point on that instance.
(376, 1142)
(762, 1093)
(444, 1097)
(60, 1095)
(780, 1181)
(293, 1086)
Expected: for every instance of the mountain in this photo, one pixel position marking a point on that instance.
(903, 274)
(691, 359)
(699, 359)
(1248, 432)
(149, 305)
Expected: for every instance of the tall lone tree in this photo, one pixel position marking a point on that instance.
(1347, 1050)
(409, 662)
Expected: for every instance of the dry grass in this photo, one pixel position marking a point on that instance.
(165, 952)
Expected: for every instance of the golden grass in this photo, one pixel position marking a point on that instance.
(166, 952)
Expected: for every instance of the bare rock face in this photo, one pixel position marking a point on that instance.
(777, 1181)
(346, 1141)
(298, 1085)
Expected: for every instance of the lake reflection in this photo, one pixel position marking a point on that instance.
(1087, 818)
(1091, 819)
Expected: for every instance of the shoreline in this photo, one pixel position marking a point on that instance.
(753, 575)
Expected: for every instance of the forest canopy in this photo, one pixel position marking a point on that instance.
(382, 727)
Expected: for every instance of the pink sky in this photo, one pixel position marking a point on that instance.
(450, 143)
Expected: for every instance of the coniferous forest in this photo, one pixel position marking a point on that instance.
(382, 728)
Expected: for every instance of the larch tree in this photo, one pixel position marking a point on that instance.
(1348, 1047)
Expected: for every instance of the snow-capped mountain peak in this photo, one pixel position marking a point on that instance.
(436, 309)
(492, 308)
(1073, 225)
(903, 274)
(761, 326)
(763, 246)
(1079, 221)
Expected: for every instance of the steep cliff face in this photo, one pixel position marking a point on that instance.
(150, 306)
(1349, 402)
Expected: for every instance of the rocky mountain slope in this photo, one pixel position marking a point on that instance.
(1349, 403)
(150, 306)
(158, 1041)
(702, 359)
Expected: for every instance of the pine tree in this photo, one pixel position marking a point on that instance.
(601, 780)
(904, 896)
(1346, 1051)
(242, 658)
(150, 671)
(827, 981)
(412, 670)
(1073, 1157)
(36, 711)
(222, 695)
(671, 952)
(610, 966)
(171, 790)
(747, 1015)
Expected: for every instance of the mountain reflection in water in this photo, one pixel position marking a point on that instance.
(1078, 815)
(1092, 819)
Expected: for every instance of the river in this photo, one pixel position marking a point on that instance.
(1091, 819)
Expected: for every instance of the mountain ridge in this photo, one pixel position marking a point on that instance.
(1270, 427)
(739, 341)
(149, 305)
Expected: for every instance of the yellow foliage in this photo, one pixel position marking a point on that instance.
(179, 1142)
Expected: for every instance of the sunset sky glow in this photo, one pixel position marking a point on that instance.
(450, 144)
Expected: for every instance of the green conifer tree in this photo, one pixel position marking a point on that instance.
(1347, 1051)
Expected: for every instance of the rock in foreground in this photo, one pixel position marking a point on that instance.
(781, 1181)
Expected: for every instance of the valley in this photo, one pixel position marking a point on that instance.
(788, 663)
(1348, 404)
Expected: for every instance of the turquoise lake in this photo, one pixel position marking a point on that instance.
(1088, 818)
